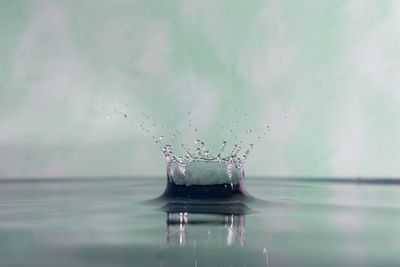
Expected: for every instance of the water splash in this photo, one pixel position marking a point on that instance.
(195, 163)
(201, 166)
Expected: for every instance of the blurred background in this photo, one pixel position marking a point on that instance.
(77, 76)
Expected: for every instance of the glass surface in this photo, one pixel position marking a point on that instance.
(110, 222)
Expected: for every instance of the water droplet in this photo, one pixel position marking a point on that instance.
(197, 141)
(161, 137)
(195, 129)
(249, 131)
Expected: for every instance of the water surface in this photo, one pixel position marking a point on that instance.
(108, 222)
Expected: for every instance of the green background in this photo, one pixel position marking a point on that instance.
(324, 74)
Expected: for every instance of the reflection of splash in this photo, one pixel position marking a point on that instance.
(235, 226)
(187, 224)
(182, 225)
(265, 252)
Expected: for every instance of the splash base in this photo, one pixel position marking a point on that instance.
(204, 192)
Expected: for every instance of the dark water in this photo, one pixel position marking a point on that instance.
(109, 222)
(217, 193)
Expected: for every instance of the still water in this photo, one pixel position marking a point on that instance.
(110, 222)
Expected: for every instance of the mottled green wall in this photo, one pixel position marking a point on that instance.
(324, 74)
